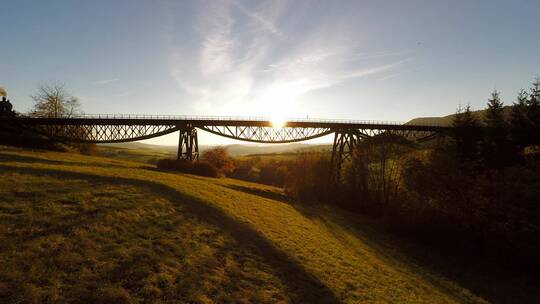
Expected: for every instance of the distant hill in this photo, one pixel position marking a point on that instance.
(447, 120)
(240, 150)
(443, 121)
(234, 149)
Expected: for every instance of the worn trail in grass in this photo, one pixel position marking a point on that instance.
(75, 226)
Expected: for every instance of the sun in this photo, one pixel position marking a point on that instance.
(278, 121)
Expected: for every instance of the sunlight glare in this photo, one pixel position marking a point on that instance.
(278, 122)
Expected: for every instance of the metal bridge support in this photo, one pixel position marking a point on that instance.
(345, 142)
(188, 144)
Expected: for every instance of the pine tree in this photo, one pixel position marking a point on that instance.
(519, 122)
(533, 112)
(497, 150)
(534, 97)
(521, 100)
(494, 113)
(467, 133)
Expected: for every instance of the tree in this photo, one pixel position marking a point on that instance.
(520, 106)
(519, 121)
(533, 112)
(219, 158)
(497, 149)
(534, 96)
(494, 113)
(53, 100)
(467, 133)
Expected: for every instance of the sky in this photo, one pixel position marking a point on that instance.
(365, 60)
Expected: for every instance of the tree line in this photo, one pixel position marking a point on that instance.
(476, 191)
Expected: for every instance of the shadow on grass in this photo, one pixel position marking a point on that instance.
(7, 157)
(260, 192)
(482, 278)
(301, 286)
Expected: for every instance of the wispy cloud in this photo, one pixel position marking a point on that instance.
(264, 22)
(373, 70)
(105, 81)
(246, 62)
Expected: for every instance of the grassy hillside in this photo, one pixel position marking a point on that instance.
(442, 121)
(142, 154)
(88, 229)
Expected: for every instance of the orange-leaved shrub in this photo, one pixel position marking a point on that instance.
(219, 159)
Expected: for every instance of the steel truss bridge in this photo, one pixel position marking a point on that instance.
(124, 128)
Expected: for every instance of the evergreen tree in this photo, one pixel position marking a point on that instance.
(494, 113)
(519, 121)
(534, 97)
(533, 112)
(497, 150)
(467, 134)
(520, 105)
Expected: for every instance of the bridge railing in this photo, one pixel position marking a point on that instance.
(233, 118)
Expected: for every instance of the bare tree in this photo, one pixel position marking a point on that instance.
(375, 171)
(53, 100)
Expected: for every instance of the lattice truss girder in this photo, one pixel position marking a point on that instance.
(268, 134)
(413, 135)
(122, 133)
(346, 141)
(105, 133)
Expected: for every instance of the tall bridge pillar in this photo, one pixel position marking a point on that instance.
(345, 142)
(188, 144)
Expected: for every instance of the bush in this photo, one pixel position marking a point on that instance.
(87, 149)
(219, 159)
(198, 168)
(244, 171)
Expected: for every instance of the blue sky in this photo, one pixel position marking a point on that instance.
(381, 60)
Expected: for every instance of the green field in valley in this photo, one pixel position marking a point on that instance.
(77, 228)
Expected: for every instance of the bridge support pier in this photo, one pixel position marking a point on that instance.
(345, 143)
(188, 144)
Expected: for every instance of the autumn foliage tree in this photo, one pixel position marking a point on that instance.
(219, 158)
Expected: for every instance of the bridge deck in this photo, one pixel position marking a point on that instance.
(201, 121)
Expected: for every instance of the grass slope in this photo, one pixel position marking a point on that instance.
(143, 155)
(89, 229)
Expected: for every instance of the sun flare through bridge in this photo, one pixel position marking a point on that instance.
(115, 128)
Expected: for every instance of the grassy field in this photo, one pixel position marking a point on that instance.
(136, 155)
(91, 229)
